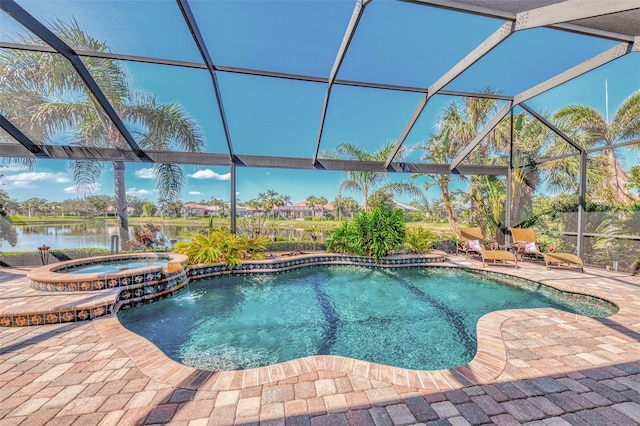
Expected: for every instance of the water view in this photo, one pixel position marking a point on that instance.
(98, 235)
(80, 235)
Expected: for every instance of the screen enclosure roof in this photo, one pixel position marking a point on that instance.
(280, 84)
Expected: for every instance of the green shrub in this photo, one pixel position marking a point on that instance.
(375, 233)
(214, 246)
(419, 240)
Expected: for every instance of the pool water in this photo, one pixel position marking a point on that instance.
(115, 266)
(423, 318)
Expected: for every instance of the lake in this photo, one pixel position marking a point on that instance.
(79, 235)
(98, 235)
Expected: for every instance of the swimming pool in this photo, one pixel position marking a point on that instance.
(422, 318)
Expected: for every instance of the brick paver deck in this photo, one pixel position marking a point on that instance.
(539, 366)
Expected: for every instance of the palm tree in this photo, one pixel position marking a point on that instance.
(457, 126)
(321, 202)
(345, 204)
(441, 149)
(312, 201)
(43, 94)
(286, 201)
(366, 182)
(590, 128)
(271, 200)
(531, 139)
(221, 205)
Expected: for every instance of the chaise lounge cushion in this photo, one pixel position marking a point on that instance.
(474, 245)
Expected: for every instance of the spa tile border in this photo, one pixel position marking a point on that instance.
(280, 265)
(55, 278)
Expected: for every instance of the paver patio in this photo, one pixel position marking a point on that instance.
(539, 366)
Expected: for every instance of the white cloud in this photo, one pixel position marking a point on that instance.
(210, 174)
(139, 192)
(195, 193)
(30, 179)
(145, 173)
(73, 190)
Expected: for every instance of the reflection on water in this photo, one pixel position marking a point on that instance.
(80, 235)
(98, 235)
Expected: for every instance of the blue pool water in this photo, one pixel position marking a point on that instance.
(115, 266)
(414, 318)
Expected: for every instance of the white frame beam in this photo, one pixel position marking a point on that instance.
(358, 10)
(571, 10)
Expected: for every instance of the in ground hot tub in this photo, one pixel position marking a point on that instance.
(107, 272)
(85, 289)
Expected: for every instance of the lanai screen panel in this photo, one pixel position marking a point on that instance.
(184, 96)
(425, 127)
(289, 37)
(152, 28)
(411, 45)
(528, 58)
(366, 117)
(48, 116)
(271, 116)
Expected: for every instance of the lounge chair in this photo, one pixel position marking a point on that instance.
(472, 242)
(498, 255)
(526, 243)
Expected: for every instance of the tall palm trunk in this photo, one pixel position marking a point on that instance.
(446, 200)
(121, 200)
(617, 181)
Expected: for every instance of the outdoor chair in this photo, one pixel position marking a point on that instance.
(526, 243)
(472, 241)
(497, 256)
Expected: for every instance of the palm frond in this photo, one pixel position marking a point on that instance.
(627, 118)
(168, 126)
(576, 119)
(169, 179)
(86, 174)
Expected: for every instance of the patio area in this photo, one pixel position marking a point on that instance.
(538, 366)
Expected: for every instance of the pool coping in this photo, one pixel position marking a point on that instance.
(488, 363)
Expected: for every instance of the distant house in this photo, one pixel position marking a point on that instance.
(301, 210)
(202, 209)
(406, 208)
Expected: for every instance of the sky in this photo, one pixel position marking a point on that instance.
(395, 43)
